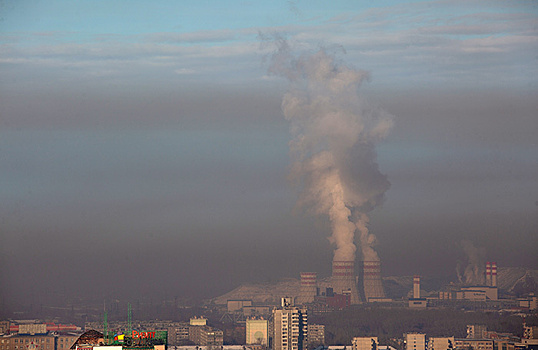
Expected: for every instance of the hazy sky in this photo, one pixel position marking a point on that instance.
(144, 151)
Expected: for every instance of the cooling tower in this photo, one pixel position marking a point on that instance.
(416, 287)
(373, 288)
(488, 274)
(494, 274)
(343, 279)
(308, 288)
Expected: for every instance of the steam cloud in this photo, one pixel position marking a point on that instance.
(334, 132)
(476, 259)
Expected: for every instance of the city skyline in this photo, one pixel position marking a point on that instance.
(145, 144)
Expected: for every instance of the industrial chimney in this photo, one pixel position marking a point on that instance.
(308, 288)
(488, 274)
(494, 274)
(373, 288)
(343, 279)
(416, 287)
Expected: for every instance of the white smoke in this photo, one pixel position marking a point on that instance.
(476, 260)
(334, 132)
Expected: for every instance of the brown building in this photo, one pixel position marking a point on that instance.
(179, 334)
(28, 342)
(4, 327)
(206, 336)
(65, 341)
(475, 344)
(316, 334)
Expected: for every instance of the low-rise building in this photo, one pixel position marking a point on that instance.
(316, 334)
(476, 331)
(415, 341)
(178, 334)
(441, 343)
(28, 342)
(365, 343)
(237, 305)
(474, 344)
(257, 331)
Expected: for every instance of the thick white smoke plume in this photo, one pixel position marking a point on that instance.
(476, 260)
(334, 132)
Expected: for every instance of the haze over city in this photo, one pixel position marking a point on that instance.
(149, 149)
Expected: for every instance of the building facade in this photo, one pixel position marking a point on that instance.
(257, 331)
(476, 331)
(178, 334)
(365, 343)
(441, 343)
(290, 330)
(415, 341)
(28, 342)
(475, 344)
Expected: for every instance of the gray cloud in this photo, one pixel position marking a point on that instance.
(107, 154)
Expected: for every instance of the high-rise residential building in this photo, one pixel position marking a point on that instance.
(290, 330)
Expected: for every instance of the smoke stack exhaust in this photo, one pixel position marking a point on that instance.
(373, 287)
(334, 162)
(308, 288)
(416, 287)
(343, 279)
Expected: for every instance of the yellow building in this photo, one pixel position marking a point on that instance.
(257, 331)
(441, 343)
(365, 343)
(415, 341)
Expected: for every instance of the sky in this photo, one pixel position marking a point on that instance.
(144, 151)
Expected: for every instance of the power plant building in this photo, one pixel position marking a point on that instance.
(416, 301)
(344, 281)
(371, 280)
(308, 289)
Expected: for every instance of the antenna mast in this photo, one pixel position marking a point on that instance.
(129, 319)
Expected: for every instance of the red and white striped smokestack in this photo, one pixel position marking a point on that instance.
(308, 288)
(373, 288)
(488, 274)
(494, 274)
(416, 287)
(343, 279)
